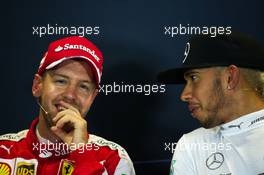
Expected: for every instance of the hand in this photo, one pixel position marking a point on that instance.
(70, 126)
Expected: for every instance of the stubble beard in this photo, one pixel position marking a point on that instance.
(218, 101)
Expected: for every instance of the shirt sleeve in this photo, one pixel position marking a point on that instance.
(125, 167)
(182, 162)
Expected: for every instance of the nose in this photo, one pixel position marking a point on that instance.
(70, 94)
(186, 94)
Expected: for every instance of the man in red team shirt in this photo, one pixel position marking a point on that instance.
(57, 142)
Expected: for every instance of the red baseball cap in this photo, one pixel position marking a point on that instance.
(69, 48)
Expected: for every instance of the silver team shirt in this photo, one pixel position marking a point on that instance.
(234, 148)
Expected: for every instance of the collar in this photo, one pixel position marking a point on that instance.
(41, 139)
(38, 148)
(243, 123)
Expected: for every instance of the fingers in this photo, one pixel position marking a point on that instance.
(69, 110)
(70, 126)
(69, 117)
(65, 137)
(71, 130)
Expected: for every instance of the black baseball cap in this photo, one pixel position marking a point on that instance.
(204, 51)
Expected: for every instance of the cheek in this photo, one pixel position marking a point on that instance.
(85, 102)
(202, 96)
(50, 92)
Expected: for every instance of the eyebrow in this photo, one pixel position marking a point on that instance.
(188, 73)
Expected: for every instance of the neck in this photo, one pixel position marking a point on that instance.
(44, 130)
(242, 105)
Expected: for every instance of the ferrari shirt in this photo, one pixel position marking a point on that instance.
(25, 153)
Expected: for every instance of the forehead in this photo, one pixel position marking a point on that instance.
(74, 68)
(209, 70)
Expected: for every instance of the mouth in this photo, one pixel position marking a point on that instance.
(193, 108)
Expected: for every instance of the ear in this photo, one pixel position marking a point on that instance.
(37, 86)
(232, 79)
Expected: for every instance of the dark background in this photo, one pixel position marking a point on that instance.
(135, 49)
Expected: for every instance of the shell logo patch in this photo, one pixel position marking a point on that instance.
(5, 169)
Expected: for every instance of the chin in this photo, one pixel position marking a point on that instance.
(209, 124)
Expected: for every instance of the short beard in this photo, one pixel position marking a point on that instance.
(218, 101)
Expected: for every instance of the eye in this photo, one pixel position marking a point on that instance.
(194, 77)
(60, 81)
(84, 87)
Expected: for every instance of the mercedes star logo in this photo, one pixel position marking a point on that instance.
(214, 161)
(186, 52)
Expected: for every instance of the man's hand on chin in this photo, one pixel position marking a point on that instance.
(70, 126)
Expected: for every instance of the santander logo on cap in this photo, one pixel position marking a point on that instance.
(59, 48)
(79, 47)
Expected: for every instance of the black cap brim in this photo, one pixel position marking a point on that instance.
(172, 76)
(176, 75)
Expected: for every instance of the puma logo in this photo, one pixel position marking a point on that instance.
(5, 148)
(234, 126)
